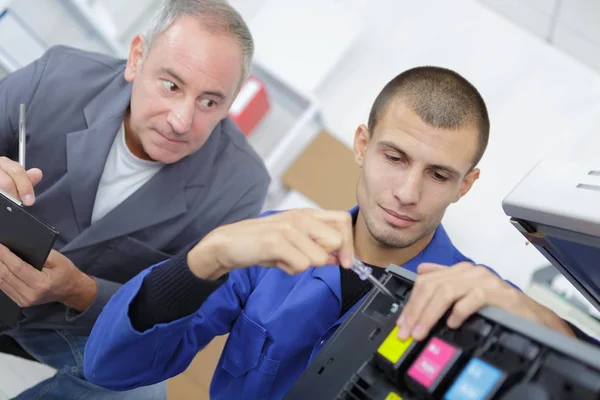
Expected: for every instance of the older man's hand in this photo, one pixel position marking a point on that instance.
(59, 281)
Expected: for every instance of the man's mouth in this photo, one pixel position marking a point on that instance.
(397, 219)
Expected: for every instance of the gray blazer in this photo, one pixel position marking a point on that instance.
(75, 105)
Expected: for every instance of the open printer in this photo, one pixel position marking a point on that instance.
(493, 355)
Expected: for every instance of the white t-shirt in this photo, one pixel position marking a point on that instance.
(123, 174)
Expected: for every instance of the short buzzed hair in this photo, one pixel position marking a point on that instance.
(440, 97)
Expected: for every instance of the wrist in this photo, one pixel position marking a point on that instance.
(84, 293)
(203, 259)
(559, 325)
(553, 321)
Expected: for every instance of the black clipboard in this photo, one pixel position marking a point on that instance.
(27, 237)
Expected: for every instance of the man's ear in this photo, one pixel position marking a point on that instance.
(134, 61)
(467, 183)
(362, 136)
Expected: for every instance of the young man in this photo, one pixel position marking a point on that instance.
(275, 284)
(139, 161)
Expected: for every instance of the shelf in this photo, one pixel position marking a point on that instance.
(292, 122)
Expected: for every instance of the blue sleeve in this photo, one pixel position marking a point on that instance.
(581, 335)
(118, 357)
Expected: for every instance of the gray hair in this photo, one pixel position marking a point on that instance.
(217, 15)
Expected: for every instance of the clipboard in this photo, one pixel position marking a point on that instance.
(29, 238)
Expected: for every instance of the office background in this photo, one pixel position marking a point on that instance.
(536, 62)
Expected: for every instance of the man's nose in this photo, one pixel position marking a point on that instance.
(181, 116)
(409, 187)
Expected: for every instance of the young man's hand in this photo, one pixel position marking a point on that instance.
(293, 241)
(465, 288)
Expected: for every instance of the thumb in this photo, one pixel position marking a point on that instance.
(426, 268)
(51, 260)
(35, 175)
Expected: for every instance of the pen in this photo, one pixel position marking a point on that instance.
(22, 135)
(365, 272)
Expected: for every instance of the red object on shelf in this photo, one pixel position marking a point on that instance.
(250, 106)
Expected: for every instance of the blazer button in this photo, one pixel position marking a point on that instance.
(322, 343)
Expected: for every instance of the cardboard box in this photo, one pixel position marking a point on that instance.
(183, 387)
(194, 382)
(326, 173)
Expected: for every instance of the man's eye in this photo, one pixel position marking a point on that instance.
(392, 158)
(439, 177)
(170, 86)
(208, 103)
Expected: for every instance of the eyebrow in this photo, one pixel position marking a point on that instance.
(180, 81)
(394, 147)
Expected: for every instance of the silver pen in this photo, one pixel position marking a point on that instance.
(21, 150)
(22, 117)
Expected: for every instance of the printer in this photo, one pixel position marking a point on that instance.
(557, 208)
(494, 354)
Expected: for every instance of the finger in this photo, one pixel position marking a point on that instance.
(342, 221)
(465, 307)
(420, 297)
(449, 287)
(19, 268)
(11, 292)
(426, 268)
(287, 256)
(433, 293)
(441, 299)
(54, 258)
(331, 229)
(332, 259)
(20, 186)
(284, 267)
(35, 175)
(327, 237)
(7, 185)
(12, 286)
(313, 250)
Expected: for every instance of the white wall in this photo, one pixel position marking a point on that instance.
(540, 101)
(571, 25)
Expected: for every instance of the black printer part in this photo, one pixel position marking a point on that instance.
(566, 379)
(472, 334)
(511, 352)
(492, 356)
(380, 307)
(527, 391)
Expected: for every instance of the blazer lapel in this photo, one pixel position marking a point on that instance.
(86, 154)
(88, 149)
(159, 200)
